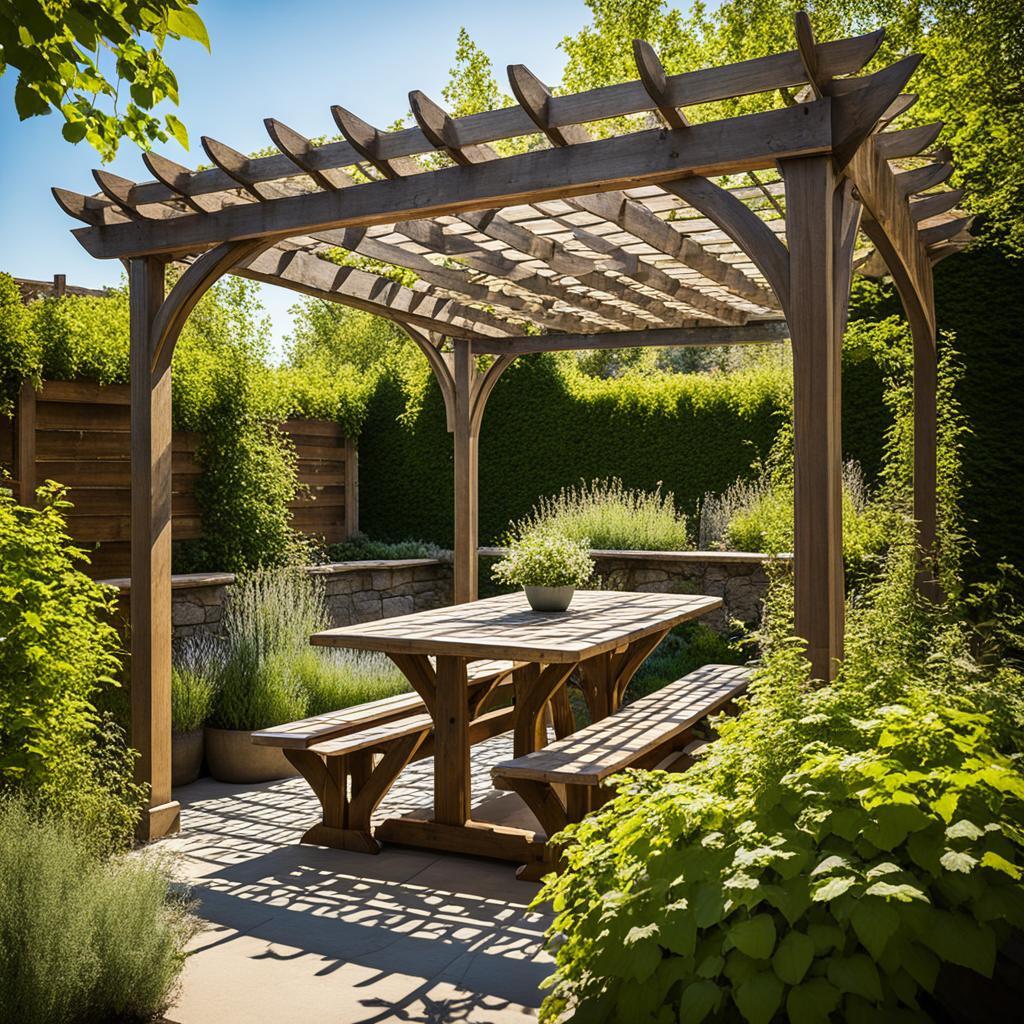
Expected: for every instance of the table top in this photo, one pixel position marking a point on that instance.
(506, 627)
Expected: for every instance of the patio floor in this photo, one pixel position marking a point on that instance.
(300, 933)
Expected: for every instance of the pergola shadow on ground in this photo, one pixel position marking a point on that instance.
(578, 240)
(293, 931)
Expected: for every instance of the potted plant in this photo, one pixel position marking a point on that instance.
(548, 566)
(192, 690)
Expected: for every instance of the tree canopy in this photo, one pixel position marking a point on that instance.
(73, 56)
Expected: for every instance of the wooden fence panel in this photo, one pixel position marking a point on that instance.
(79, 433)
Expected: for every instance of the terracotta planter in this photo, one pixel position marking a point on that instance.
(186, 757)
(549, 599)
(233, 757)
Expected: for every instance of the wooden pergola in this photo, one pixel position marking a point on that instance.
(583, 241)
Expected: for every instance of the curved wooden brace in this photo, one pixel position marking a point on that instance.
(742, 225)
(442, 371)
(534, 701)
(483, 385)
(189, 289)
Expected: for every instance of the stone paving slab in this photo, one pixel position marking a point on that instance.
(298, 933)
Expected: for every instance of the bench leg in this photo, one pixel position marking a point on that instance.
(543, 801)
(345, 824)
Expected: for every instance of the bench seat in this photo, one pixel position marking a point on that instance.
(589, 756)
(308, 731)
(561, 782)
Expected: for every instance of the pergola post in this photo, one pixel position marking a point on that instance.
(466, 435)
(926, 383)
(151, 552)
(814, 213)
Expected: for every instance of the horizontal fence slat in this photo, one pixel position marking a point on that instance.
(111, 527)
(82, 416)
(313, 428)
(84, 391)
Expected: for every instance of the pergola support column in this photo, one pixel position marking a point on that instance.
(926, 384)
(466, 437)
(816, 316)
(151, 552)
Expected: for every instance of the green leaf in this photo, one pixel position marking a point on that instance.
(187, 24)
(759, 997)
(959, 939)
(956, 860)
(904, 893)
(793, 956)
(832, 888)
(946, 805)
(699, 999)
(829, 865)
(74, 131)
(874, 923)
(177, 130)
(964, 829)
(27, 102)
(893, 823)
(857, 974)
(755, 937)
(812, 1002)
(997, 863)
(708, 905)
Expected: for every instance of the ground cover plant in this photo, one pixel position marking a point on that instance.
(84, 938)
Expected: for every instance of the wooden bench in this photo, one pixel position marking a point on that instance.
(351, 757)
(654, 732)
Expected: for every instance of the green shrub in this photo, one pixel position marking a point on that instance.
(837, 846)
(193, 682)
(362, 548)
(856, 877)
(83, 939)
(543, 557)
(18, 361)
(610, 516)
(333, 679)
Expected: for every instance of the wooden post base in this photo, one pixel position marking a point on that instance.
(157, 822)
(354, 840)
(474, 839)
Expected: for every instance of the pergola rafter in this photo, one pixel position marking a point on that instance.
(595, 242)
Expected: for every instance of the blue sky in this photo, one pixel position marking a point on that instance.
(288, 60)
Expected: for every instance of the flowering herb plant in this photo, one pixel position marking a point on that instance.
(545, 558)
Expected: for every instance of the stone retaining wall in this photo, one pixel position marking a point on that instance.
(355, 591)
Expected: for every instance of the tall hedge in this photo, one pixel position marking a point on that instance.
(547, 426)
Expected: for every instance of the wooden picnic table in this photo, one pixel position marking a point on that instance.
(605, 635)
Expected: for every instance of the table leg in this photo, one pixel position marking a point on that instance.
(452, 794)
(605, 678)
(531, 704)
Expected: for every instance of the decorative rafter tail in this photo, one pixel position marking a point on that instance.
(365, 140)
(179, 180)
(923, 178)
(933, 205)
(535, 98)
(857, 110)
(945, 231)
(898, 108)
(119, 191)
(907, 141)
(441, 132)
(88, 209)
(235, 165)
(808, 50)
(301, 152)
(652, 74)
